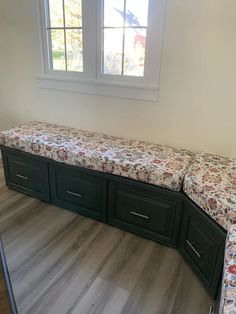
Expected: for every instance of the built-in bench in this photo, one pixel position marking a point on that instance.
(211, 183)
(228, 295)
(151, 163)
(131, 184)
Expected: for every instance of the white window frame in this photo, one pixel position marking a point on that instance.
(92, 80)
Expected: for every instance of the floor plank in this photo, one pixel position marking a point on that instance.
(102, 297)
(62, 263)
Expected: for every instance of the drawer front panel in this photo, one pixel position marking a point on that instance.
(150, 214)
(200, 247)
(27, 175)
(78, 191)
(202, 244)
(143, 211)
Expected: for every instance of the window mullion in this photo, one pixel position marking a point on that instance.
(89, 38)
(62, 28)
(100, 39)
(64, 24)
(123, 40)
(48, 18)
(48, 34)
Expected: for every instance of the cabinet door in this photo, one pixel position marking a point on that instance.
(26, 174)
(202, 243)
(78, 191)
(145, 210)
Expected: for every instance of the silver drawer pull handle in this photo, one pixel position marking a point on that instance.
(74, 194)
(194, 250)
(21, 177)
(139, 215)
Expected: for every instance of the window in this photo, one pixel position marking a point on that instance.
(107, 47)
(127, 23)
(65, 35)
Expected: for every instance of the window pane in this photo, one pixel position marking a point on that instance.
(113, 13)
(113, 51)
(73, 13)
(137, 15)
(56, 13)
(135, 45)
(74, 50)
(58, 50)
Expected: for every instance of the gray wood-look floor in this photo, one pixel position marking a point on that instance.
(60, 262)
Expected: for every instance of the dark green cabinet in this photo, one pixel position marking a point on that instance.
(78, 191)
(158, 214)
(147, 210)
(202, 244)
(26, 174)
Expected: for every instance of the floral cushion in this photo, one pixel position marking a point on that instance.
(228, 295)
(151, 163)
(211, 183)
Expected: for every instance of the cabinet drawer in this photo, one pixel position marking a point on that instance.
(78, 191)
(27, 175)
(202, 244)
(148, 211)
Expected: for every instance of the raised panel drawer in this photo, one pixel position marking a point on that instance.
(78, 191)
(26, 174)
(202, 244)
(148, 211)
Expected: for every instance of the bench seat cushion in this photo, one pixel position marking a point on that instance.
(211, 183)
(228, 295)
(159, 165)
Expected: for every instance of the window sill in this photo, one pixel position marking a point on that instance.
(99, 87)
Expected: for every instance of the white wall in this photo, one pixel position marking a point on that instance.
(197, 103)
